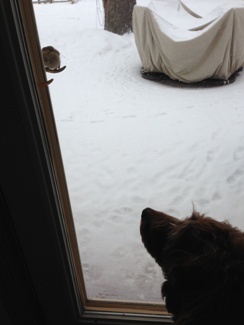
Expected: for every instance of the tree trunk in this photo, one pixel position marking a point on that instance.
(118, 15)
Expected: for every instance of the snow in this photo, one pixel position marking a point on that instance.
(128, 143)
(188, 19)
(178, 23)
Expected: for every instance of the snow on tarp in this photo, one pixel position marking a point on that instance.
(173, 38)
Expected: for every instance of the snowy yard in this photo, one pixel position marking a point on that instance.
(128, 143)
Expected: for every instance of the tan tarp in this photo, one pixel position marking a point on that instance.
(174, 39)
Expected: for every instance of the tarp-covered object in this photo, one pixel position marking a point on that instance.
(190, 40)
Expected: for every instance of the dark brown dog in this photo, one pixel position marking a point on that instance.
(203, 263)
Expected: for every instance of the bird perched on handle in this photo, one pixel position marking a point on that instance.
(51, 58)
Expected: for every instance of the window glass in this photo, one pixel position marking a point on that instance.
(128, 143)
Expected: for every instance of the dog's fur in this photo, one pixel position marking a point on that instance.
(203, 264)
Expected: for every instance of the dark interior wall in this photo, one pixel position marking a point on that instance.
(15, 282)
(18, 301)
(35, 280)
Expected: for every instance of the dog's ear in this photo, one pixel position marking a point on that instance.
(203, 244)
(201, 235)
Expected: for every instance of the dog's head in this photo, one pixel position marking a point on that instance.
(202, 260)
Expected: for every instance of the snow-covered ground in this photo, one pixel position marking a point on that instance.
(128, 143)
